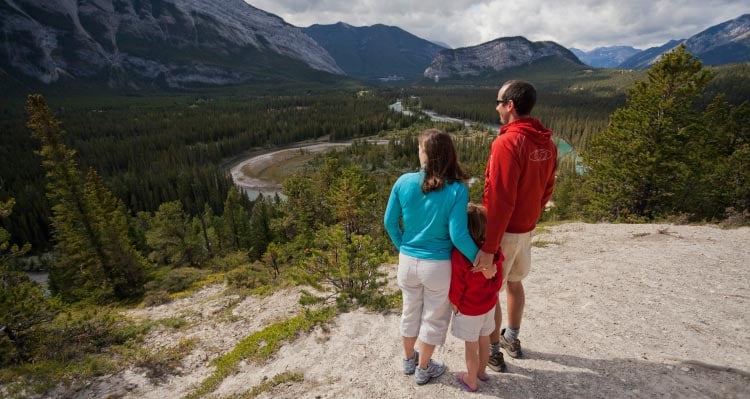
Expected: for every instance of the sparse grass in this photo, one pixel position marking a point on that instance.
(278, 172)
(40, 377)
(165, 361)
(173, 322)
(267, 384)
(211, 279)
(541, 230)
(543, 243)
(637, 235)
(261, 345)
(543, 227)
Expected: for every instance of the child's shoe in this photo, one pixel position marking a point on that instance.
(411, 364)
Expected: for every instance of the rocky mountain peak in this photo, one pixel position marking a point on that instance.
(495, 55)
(177, 41)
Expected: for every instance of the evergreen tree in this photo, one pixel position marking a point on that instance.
(122, 265)
(235, 222)
(94, 254)
(206, 222)
(638, 168)
(347, 266)
(302, 210)
(260, 228)
(172, 238)
(24, 306)
(354, 202)
(721, 161)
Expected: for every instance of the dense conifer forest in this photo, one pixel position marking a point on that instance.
(158, 149)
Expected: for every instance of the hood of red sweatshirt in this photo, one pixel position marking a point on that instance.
(530, 127)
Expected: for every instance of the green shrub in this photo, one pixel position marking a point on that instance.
(165, 361)
(175, 280)
(249, 276)
(156, 298)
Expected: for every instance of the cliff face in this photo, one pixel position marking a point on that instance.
(177, 41)
(495, 55)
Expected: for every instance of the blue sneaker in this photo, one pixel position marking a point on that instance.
(411, 364)
(433, 370)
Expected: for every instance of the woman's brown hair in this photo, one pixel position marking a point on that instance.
(477, 222)
(442, 161)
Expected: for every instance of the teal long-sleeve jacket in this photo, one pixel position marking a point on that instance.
(433, 223)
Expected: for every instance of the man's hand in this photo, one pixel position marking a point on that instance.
(483, 263)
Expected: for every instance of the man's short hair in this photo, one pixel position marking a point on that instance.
(523, 95)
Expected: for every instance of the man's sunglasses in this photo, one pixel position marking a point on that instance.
(502, 102)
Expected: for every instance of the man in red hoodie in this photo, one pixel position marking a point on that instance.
(518, 182)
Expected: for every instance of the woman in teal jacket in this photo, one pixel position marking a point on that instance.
(431, 206)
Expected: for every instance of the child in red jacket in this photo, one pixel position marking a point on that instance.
(473, 296)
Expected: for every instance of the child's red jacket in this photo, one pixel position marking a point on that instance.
(471, 292)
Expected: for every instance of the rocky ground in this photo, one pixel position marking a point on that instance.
(611, 311)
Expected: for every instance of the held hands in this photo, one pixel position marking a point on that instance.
(484, 263)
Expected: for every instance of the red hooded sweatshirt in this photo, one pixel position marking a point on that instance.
(519, 179)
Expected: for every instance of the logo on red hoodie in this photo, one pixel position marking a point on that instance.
(540, 155)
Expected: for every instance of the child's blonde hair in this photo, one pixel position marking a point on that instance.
(477, 222)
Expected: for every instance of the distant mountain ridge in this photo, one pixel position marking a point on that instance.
(605, 57)
(724, 43)
(495, 55)
(175, 42)
(377, 51)
(648, 56)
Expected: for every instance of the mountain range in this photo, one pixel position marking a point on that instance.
(180, 43)
(605, 57)
(725, 43)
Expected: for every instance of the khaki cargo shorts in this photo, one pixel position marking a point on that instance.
(517, 251)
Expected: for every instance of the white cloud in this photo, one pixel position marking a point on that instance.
(585, 24)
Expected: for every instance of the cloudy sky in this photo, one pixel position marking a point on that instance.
(584, 24)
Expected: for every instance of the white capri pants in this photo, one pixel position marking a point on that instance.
(424, 291)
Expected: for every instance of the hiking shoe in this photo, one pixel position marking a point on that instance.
(497, 362)
(433, 370)
(513, 348)
(411, 364)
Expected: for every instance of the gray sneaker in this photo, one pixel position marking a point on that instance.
(411, 364)
(433, 370)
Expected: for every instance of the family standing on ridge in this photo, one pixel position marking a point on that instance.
(456, 257)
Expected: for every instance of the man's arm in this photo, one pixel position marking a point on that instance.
(549, 188)
(500, 190)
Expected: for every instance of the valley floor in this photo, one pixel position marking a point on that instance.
(612, 310)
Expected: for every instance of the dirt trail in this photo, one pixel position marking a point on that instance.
(612, 311)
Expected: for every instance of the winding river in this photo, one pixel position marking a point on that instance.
(245, 172)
